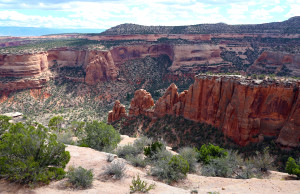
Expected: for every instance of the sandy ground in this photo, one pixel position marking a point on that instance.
(92, 159)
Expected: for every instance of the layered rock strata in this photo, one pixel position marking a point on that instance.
(141, 104)
(245, 110)
(117, 113)
(277, 63)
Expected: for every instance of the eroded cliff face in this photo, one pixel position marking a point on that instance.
(277, 63)
(24, 65)
(245, 110)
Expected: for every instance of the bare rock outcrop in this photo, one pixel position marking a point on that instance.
(141, 104)
(99, 66)
(117, 113)
(23, 65)
(243, 109)
(278, 63)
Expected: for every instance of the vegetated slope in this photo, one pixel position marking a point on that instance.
(92, 159)
(290, 26)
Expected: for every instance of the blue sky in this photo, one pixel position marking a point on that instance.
(102, 14)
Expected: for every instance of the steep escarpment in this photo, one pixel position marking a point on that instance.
(23, 65)
(283, 64)
(245, 110)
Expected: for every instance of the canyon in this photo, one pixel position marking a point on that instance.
(104, 65)
(245, 110)
(95, 70)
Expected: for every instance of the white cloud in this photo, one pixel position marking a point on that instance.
(106, 13)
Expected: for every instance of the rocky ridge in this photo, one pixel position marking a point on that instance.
(245, 110)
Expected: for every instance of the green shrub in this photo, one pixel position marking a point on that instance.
(28, 151)
(179, 164)
(170, 169)
(4, 123)
(77, 127)
(141, 143)
(116, 169)
(231, 165)
(263, 161)
(152, 149)
(209, 152)
(292, 167)
(127, 150)
(136, 161)
(65, 137)
(189, 154)
(140, 186)
(55, 123)
(100, 136)
(80, 177)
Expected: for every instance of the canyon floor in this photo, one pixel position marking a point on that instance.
(275, 182)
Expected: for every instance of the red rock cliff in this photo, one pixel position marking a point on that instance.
(243, 109)
(117, 112)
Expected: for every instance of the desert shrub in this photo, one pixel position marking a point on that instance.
(65, 137)
(247, 171)
(100, 136)
(141, 143)
(55, 123)
(189, 154)
(217, 167)
(80, 177)
(27, 152)
(115, 169)
(263, 160)
(77, 127)
(292, 167)
(140, 186)
(232, 165)
(137, 161)
(127, 150)
(171, 168)
(4, 123)
(110, 157)
(208, 152)
(152, 149)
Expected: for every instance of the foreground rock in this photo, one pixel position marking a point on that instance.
(245, 110)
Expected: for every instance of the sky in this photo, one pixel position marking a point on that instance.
(103, 14)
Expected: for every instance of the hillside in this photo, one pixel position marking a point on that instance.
(89, 158)
(290, 26)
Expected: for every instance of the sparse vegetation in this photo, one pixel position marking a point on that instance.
(153, 149)
(140, 186)
(116, 169)
(169, 168)
(80, 177)
(190, 155)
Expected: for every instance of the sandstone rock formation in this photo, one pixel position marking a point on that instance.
(99, 66)
(277, 63)
(141, 104)
(117, 113)
(23, 65)
(243, 109)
